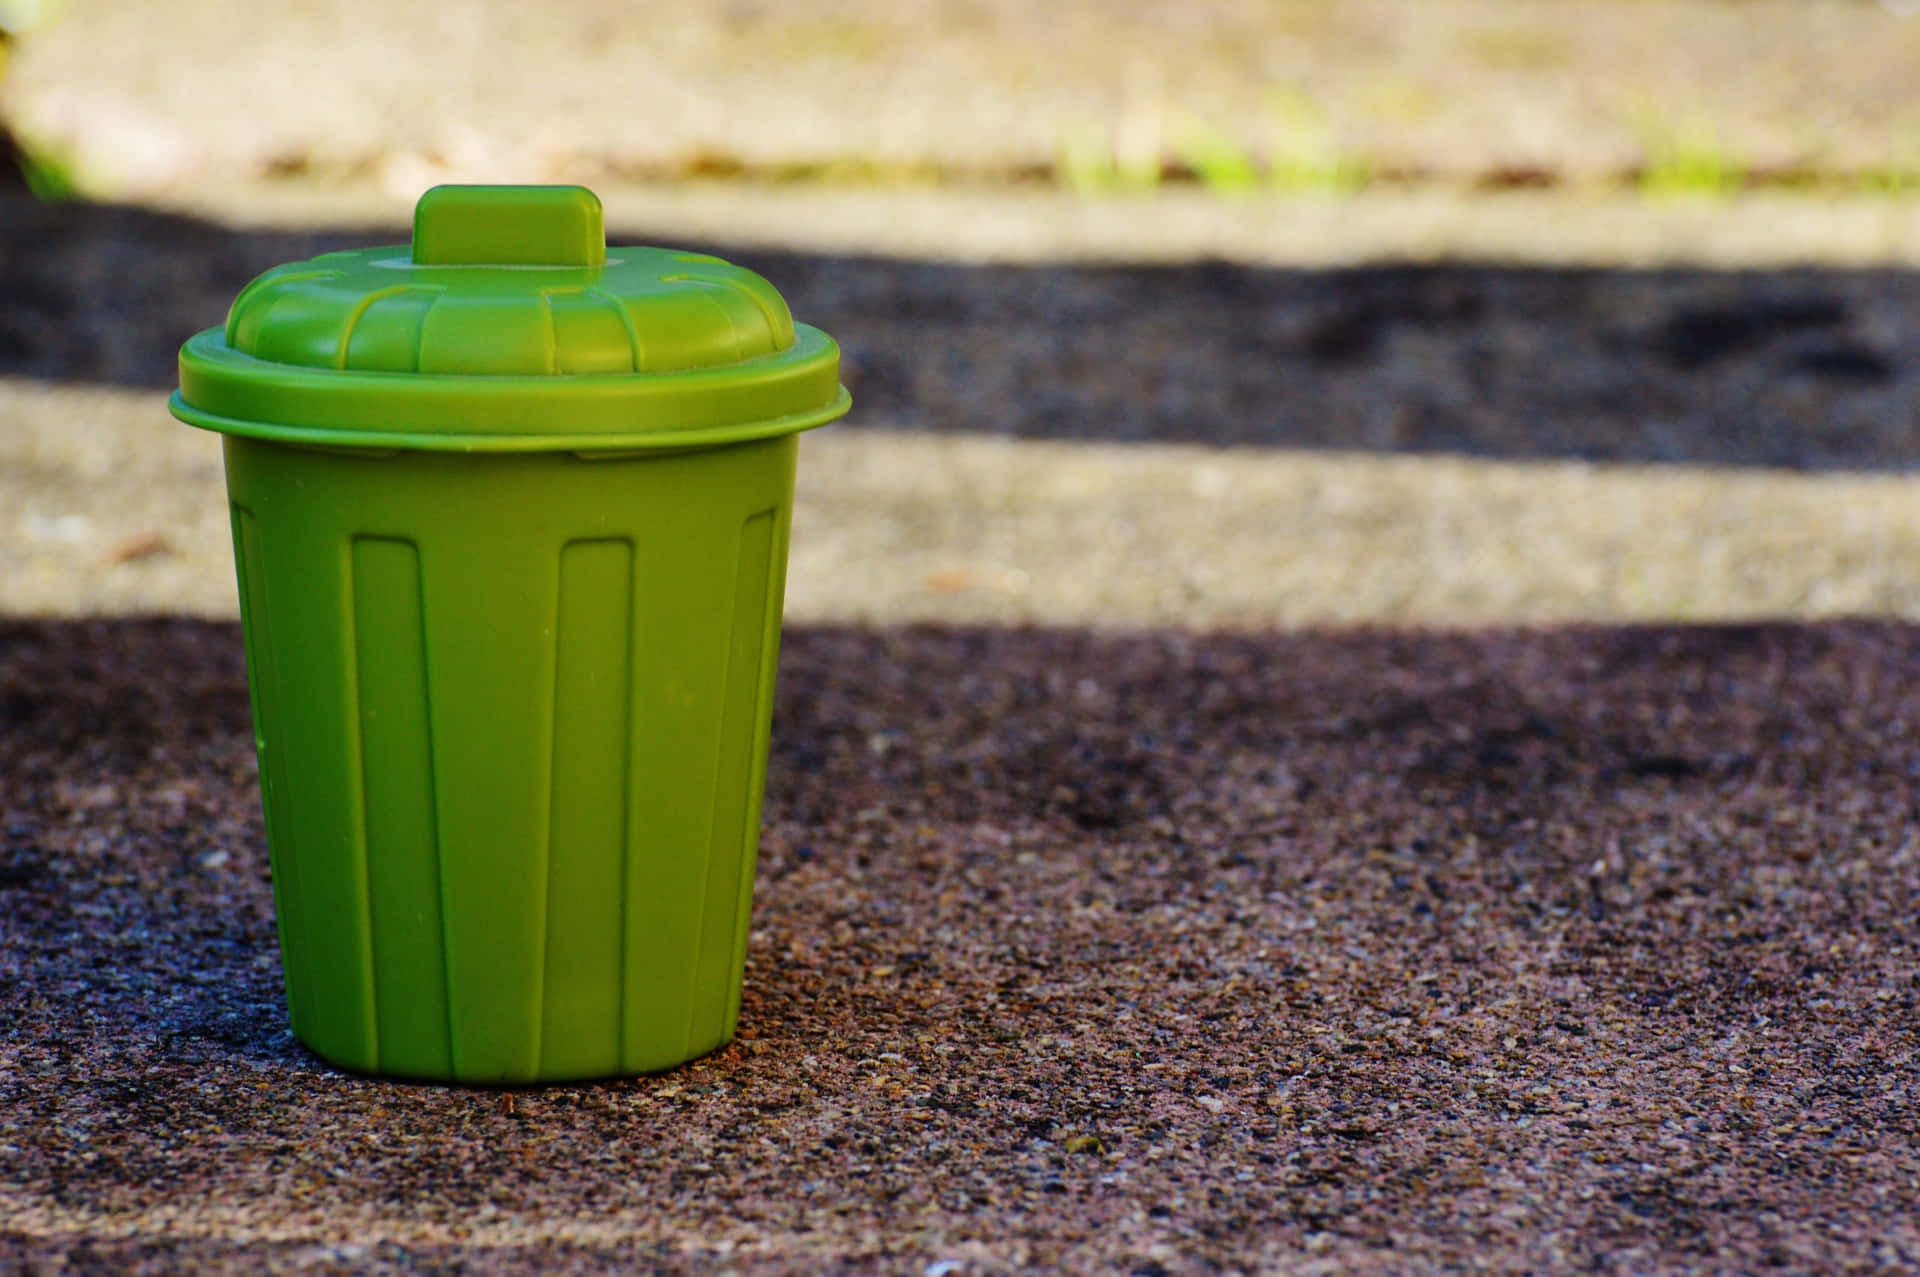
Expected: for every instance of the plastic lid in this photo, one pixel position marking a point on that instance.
(509, 326)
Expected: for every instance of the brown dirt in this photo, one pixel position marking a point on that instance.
(1353, 951)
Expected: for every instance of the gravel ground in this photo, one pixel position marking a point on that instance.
(1358, 951)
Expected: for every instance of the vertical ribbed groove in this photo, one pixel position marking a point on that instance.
(733, 329)
(272, 286)
(262, 685)
(772, 601)
(623, 866)
(357, 798)
(767, 314)
(444, 934)
(411, 1011)
(733, 791)
(543, 871)
(583, 1029)
(624, 852)
(626, 321)
(354, 317)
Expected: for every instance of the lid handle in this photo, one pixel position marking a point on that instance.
(509, 226)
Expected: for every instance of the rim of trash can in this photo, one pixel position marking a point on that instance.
(228, 391)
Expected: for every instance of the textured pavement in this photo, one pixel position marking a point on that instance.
(1331, 952)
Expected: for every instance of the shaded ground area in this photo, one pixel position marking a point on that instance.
(1356, 951)
(1797, 368)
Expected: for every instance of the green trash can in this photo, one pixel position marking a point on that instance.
(510, 516)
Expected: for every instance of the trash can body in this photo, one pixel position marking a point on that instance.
(512, 716)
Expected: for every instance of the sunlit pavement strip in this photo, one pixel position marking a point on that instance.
(200, 92)
(108, 506)
(1541, 228)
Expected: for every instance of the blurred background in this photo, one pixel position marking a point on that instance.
(1212, 313)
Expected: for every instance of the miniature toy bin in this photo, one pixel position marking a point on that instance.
(510, 516)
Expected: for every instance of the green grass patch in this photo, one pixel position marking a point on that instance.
(48, 177)
(1086, 160)
(1684, 158)
(1215, 157)
(1303, 156)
